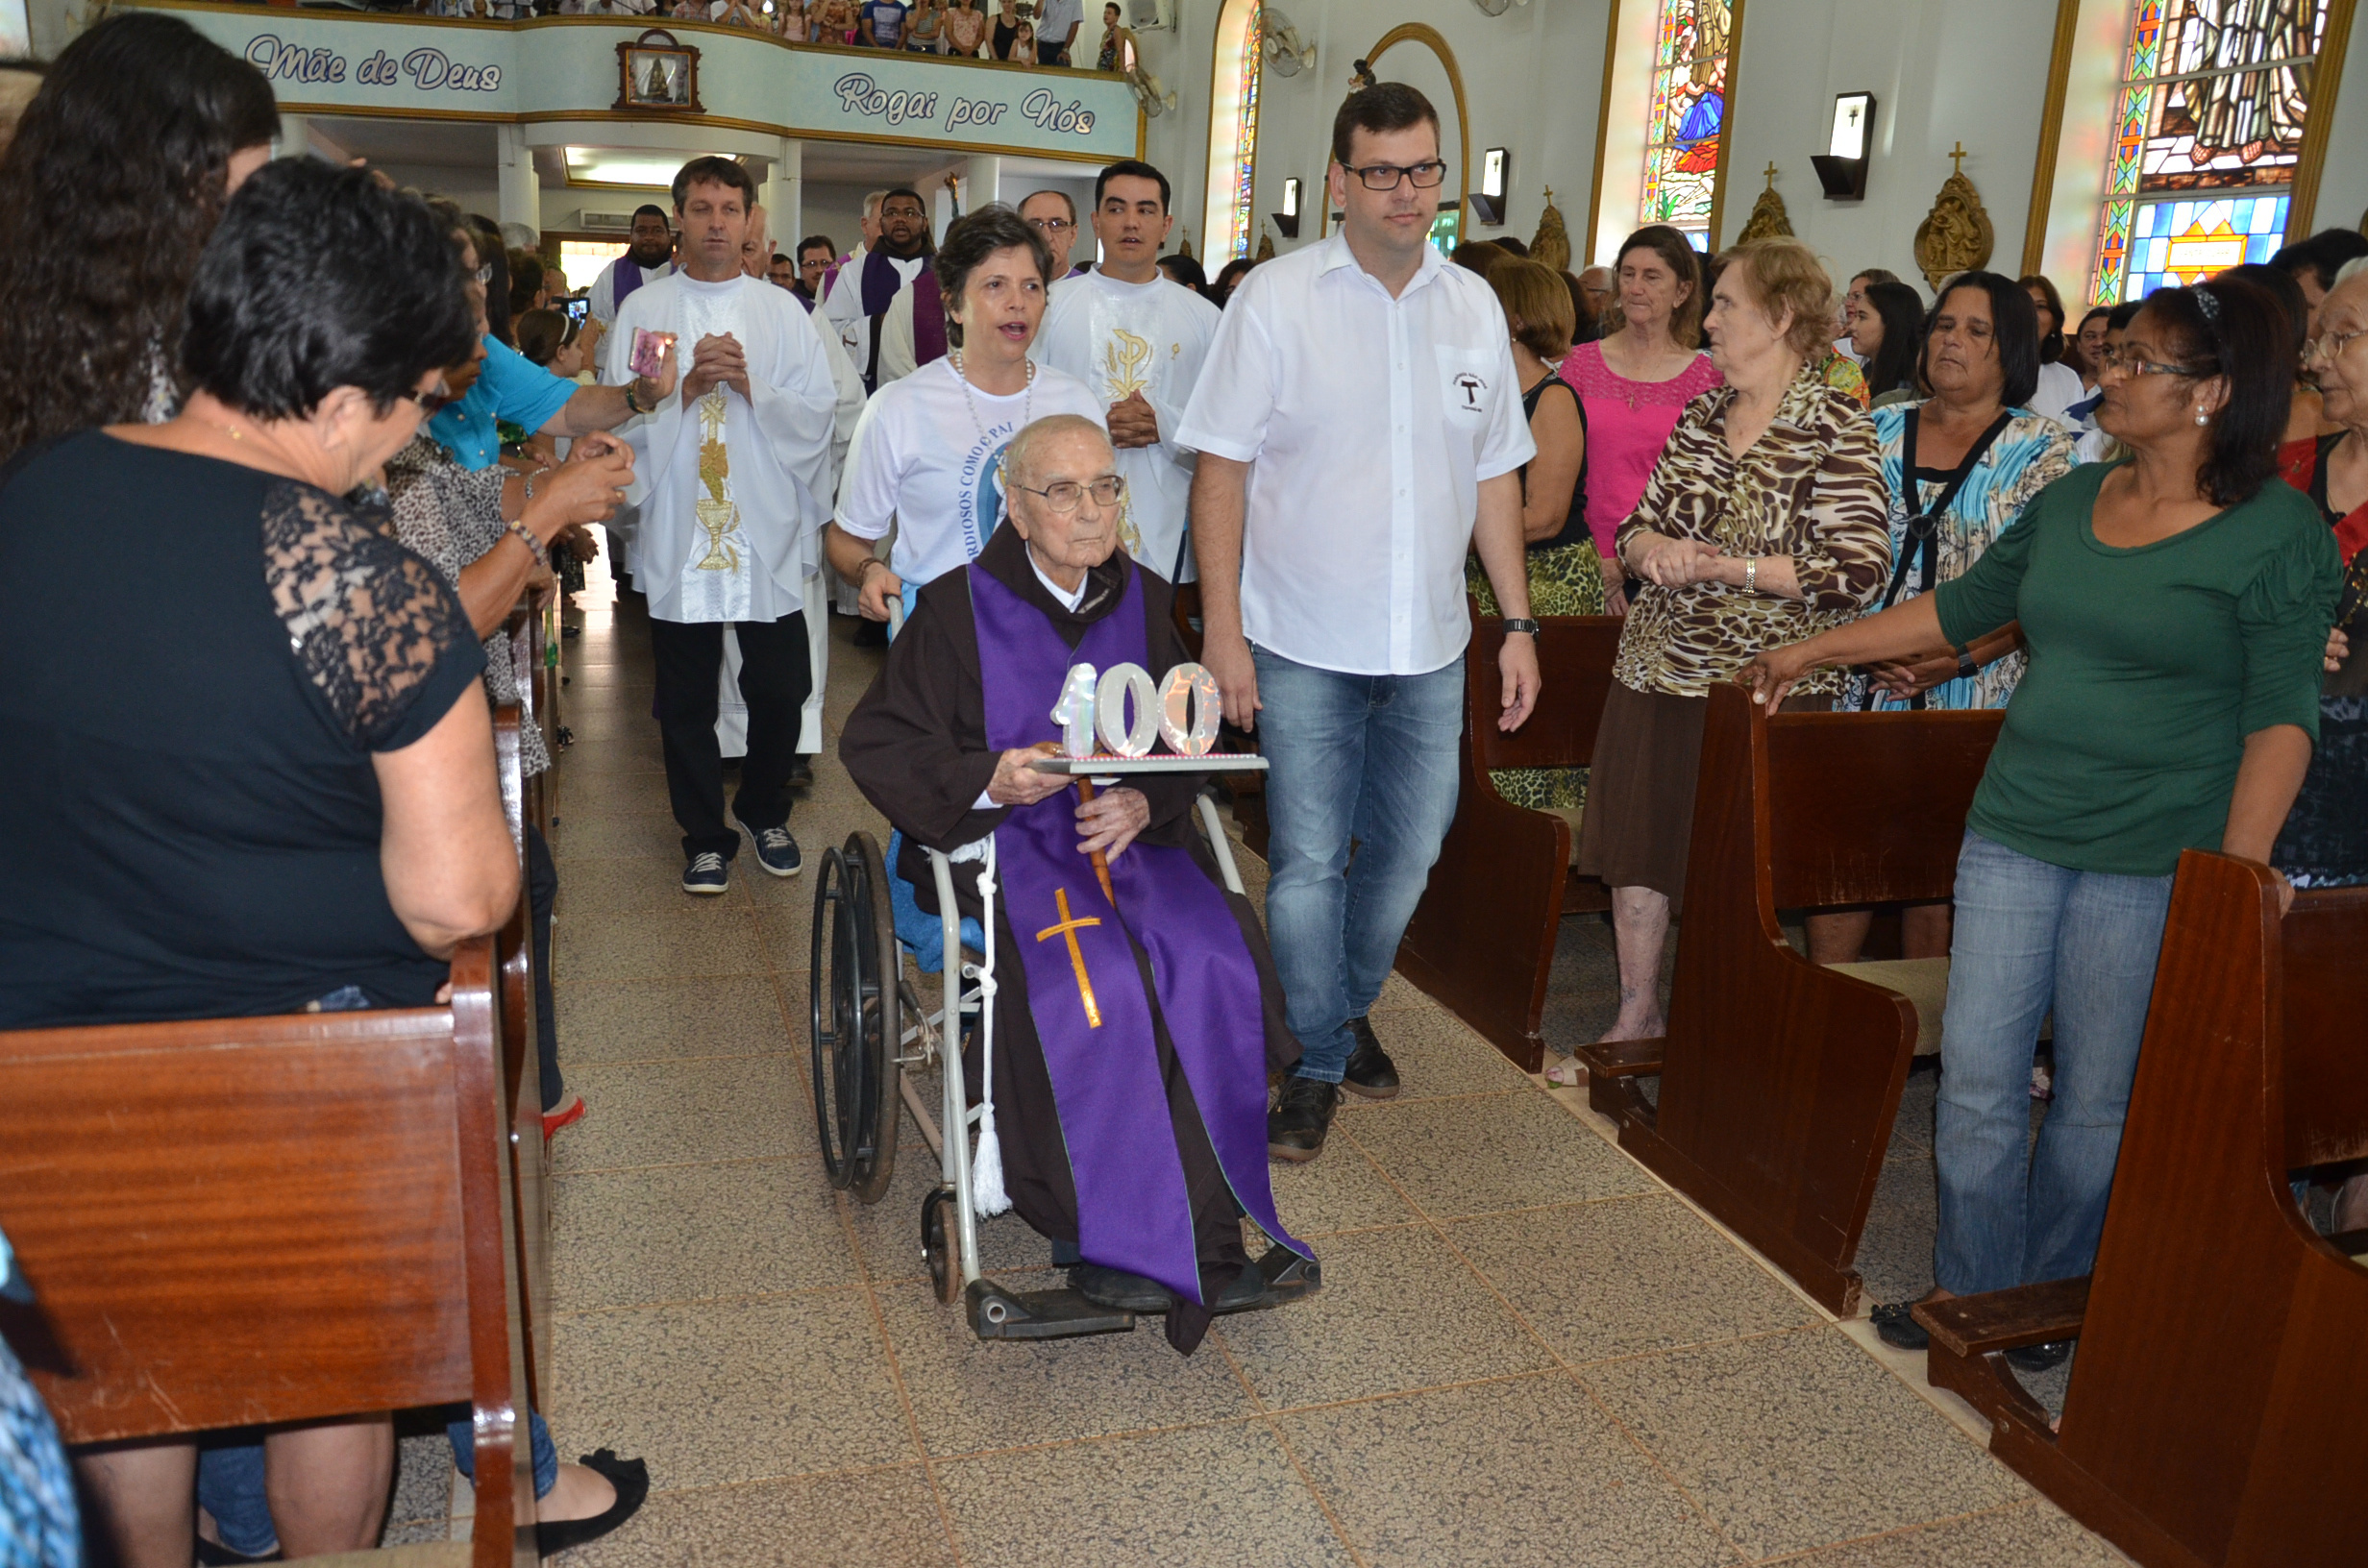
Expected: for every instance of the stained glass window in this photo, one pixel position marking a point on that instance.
(1688, 112)
(2207, 137)
(1233, 133)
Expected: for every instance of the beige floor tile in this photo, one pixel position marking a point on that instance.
(730, 1391)
(1213, 1497)
(1436, 1053)
(2038, 1535)
(606, 1020)
(1396, 1311)
(969, 1395)
(868, 1519)
(646, 886)
(610, 757)
(1398, 993)
(712, 939)
(684, 1113)
(1625, 1276)
(646, 835)
(888, 1233)
(1452, 1477)
(608, 794)
(1476, 1156)
(1340, 1190)
(423, 1484)
(1799, 1441)
(690, 1233)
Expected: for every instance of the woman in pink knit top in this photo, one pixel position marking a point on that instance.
(1635, 383)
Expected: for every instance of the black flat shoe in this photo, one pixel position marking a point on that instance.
(214, 1555)
(631, 1480)
(2040, 1358)
(1898, 1329)
(1370, 1072)
(1120, 1291)
(1302, 1117)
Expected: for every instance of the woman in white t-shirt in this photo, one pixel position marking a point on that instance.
(924, 458)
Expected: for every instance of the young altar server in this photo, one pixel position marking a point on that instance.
(1136, 1019)
(732, 478)
(1138, 339)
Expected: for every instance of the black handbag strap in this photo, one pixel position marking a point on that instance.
(1922, 552)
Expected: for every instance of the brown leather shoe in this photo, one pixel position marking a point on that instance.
(1302, 1117)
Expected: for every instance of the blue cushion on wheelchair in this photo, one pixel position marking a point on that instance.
(922, 933)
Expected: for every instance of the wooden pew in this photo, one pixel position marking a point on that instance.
(2214, 1418)
(250, 1220)
(1482, 940)
(1780, 1079)
(522, 1071)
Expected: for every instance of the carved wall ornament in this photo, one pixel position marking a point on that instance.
(1955, 235)
(1768, 218)
(1552, 246)
(1266, 245)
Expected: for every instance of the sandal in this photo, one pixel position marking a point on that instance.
(1569, 1073)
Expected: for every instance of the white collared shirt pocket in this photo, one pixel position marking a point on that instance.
(1468, 389)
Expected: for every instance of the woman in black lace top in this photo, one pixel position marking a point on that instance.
(255, 772)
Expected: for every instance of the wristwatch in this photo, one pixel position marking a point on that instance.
(1967, 669)
(632, 408)
(1513, 624)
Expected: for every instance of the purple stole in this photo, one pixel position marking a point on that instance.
(1085, 991)
(929, 318)
(879, 281)
(628, 278)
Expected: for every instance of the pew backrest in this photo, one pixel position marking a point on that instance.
(1574, 671)
(2324, 940)
(1866, 807)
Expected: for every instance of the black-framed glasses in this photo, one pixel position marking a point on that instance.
(1064, 495)
(2130, 364)
(1386, 176)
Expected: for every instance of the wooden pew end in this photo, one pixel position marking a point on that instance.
(1612, 1068)
(1972, 1333)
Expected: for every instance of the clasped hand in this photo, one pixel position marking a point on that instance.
(1673, 563)
(717, 360)
(1133, 422)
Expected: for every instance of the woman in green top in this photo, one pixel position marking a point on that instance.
(2176, 605)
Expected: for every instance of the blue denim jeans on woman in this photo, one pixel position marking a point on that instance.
(1368, 759)
(2031, 937)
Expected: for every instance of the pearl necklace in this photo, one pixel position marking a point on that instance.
(1028, 404)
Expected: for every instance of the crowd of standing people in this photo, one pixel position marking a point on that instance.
(1048, 33)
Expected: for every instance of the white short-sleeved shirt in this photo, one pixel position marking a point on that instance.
(1371, 422)
(924, 459)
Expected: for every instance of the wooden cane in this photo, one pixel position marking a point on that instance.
(1101, 861)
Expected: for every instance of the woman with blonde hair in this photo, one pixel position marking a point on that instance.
(1765, 521)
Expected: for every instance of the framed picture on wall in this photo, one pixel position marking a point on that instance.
(655, 72)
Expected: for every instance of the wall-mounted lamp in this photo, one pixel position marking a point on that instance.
(1488, 203)
(1288, 219)
(1842, 168)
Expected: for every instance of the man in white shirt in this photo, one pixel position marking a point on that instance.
(731, 478)
(1056, 30)
(1138, 340)
(1359, 424)
(864, 293)
(1053, 216)
(650, 258)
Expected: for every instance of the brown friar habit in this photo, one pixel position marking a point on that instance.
(916, 748)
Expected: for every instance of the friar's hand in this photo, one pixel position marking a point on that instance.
(1110, 821)
(1017, 784)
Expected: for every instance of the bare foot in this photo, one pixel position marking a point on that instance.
(1641, 1028)
(580, 1493)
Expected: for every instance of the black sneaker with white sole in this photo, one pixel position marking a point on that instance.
(778, 852)
(706, 873)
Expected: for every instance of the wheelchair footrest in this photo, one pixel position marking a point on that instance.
(998, 1313)
(1288, 1275)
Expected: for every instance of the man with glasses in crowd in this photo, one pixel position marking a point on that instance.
(1053, 216)
(1360, 428)
(649, 257)
(890, 266)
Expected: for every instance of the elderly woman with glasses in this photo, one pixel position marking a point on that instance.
(2175, 604)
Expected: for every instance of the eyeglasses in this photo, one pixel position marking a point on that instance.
(484, 274)
(2129, 364)
(1051, 226)
(2329, 345)
(1063, 495)
(1386, 176)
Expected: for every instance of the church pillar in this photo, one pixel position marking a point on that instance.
(784, 197)
(982, 182)
(295, 135)
(522, 190)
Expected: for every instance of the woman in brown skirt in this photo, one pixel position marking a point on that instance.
(1763, 521)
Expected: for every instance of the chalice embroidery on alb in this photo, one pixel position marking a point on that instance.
(716, 510)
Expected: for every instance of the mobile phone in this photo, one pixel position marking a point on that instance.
(650, 350)
(578, 308)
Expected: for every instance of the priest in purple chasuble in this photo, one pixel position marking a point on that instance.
(857, 305)
(1136, 1024)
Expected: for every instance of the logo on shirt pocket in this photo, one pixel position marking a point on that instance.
(1467, 383)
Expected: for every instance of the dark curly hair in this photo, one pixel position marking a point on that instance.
(317, 278)
(2241, 335)
(114, 178)
(971, 239)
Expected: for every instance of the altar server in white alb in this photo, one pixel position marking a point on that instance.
(1138, 340)
(732, 476)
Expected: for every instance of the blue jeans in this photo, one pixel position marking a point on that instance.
(1363, 759)
(230, 1484)
(2031, 936)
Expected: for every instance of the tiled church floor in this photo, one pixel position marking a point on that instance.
(1526, 1350)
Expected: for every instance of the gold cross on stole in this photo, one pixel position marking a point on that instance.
(1067, 931)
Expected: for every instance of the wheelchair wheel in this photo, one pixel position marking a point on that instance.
(855, 1023)
(937, 1244)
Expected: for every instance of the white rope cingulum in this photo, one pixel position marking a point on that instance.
(987, 1195)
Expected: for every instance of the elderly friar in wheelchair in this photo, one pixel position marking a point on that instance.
(1130, 1004)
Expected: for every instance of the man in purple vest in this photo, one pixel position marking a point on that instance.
(1138, 1014)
